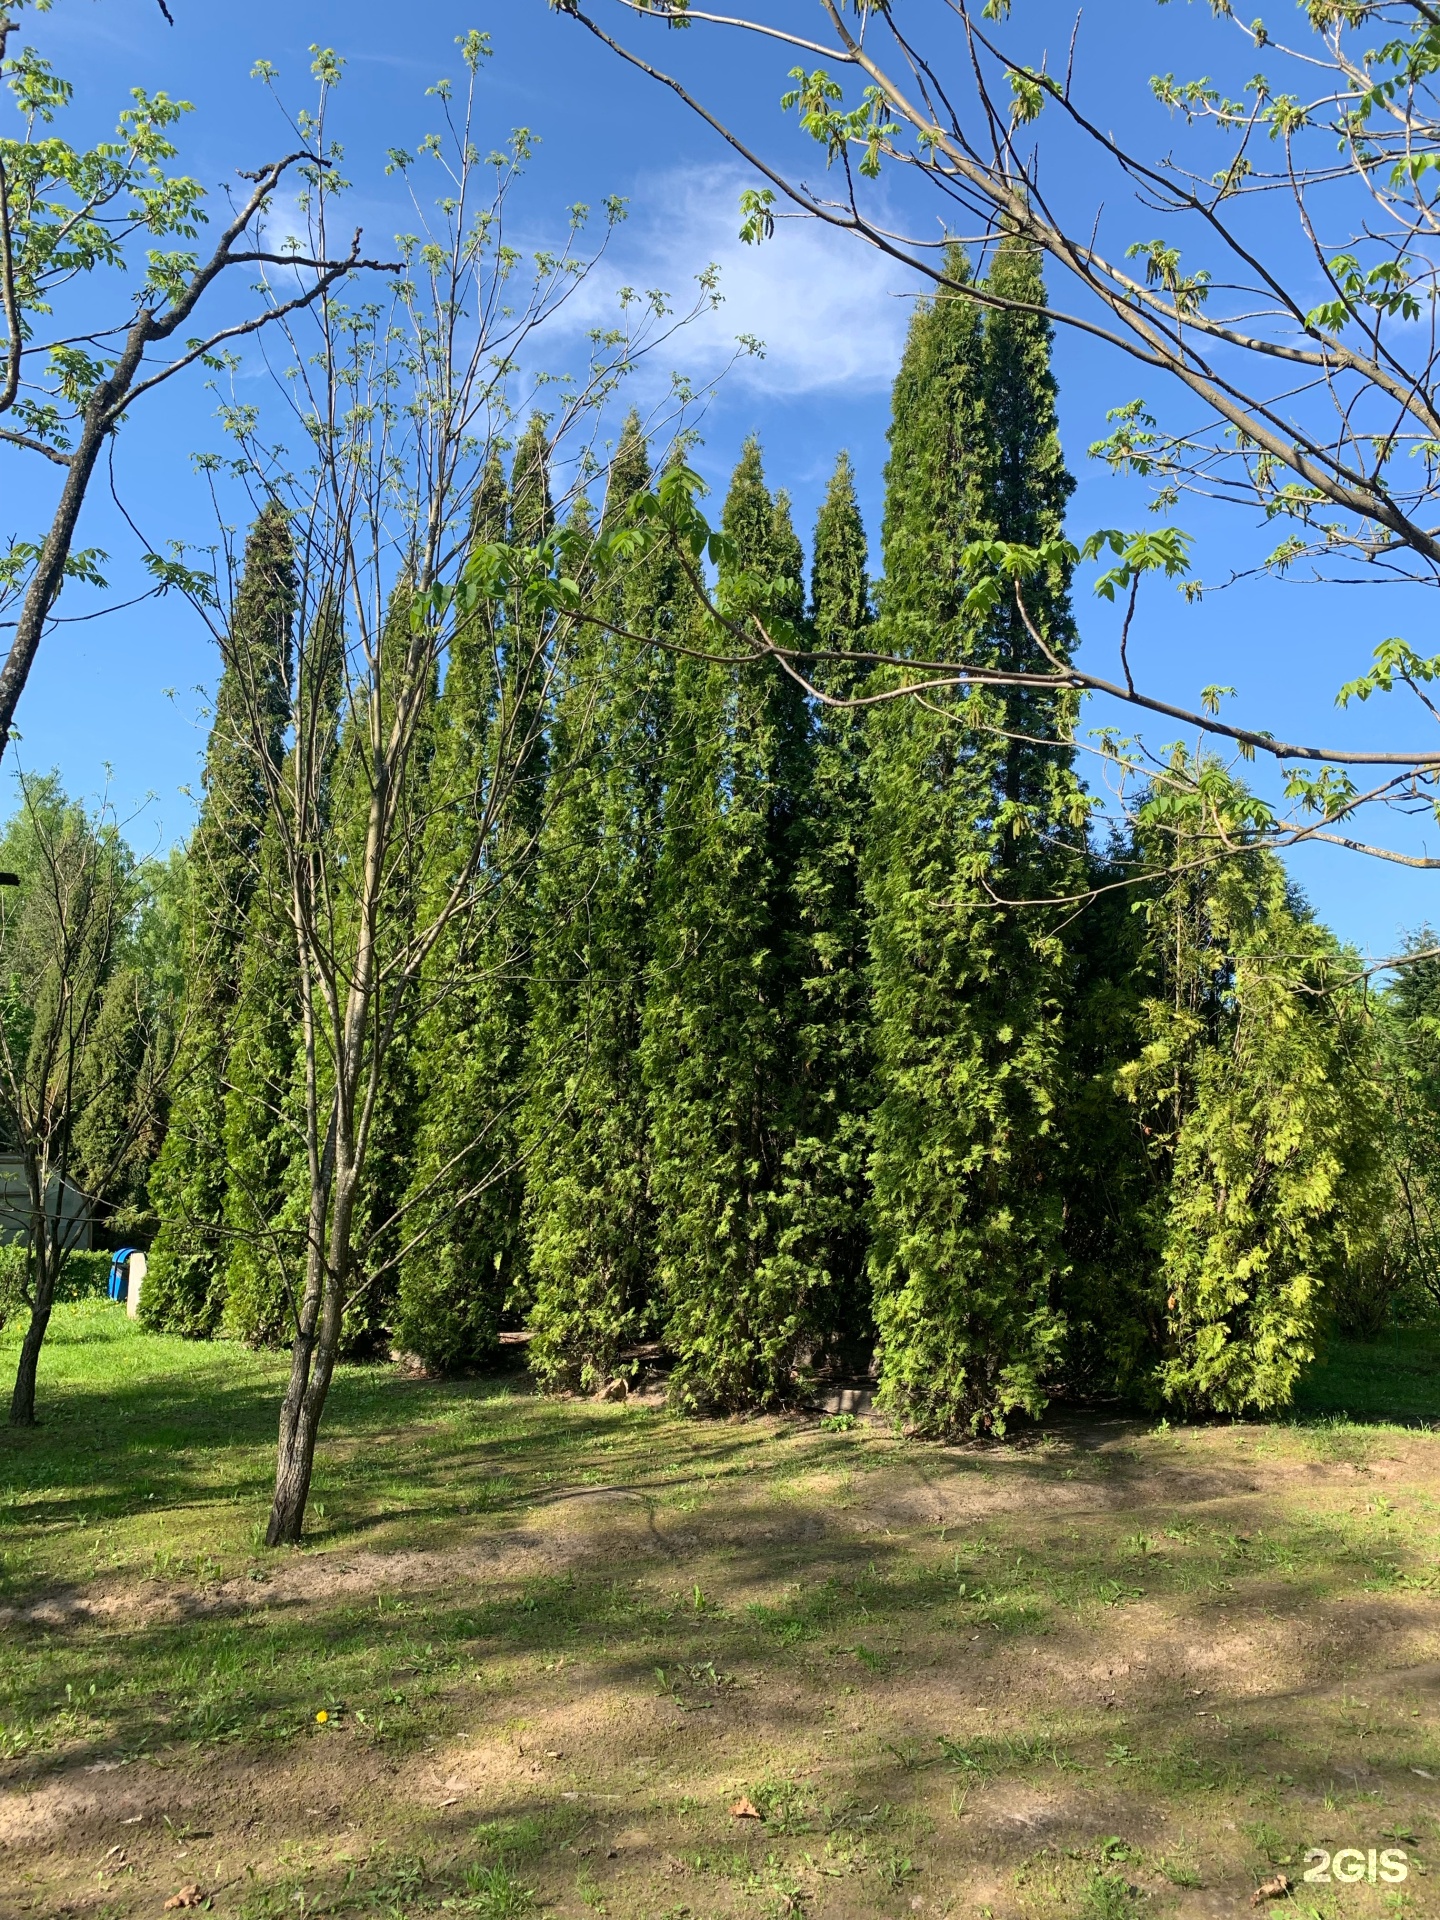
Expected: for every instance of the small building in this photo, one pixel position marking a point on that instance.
(64, 1201)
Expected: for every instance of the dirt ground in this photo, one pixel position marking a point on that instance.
(1110, 1670)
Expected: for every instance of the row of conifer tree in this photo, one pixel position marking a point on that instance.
(808, 1037)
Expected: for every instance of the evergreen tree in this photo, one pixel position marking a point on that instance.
(1261, 1104)
(1401, 1279)
(119, 1088)
(969, 994)
(716, 1044)
(587, 1176)
(265, 1087)
(185, 1287)
(379, 1227)
(465, 1207)
(824, 1239)
(118, 1127)
(263, 1133)
(1115, 1188)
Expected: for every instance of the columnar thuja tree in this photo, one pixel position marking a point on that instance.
(1406, 1274)
(264, 1084)
(446, 1310)
(971, 792)
(471, 1051)
(824, 1238)
(587, 1188)
(722, 985)
(1258, 1088)
(379, 1233)
(1115, 1187)
(185, 1288)
(261, 1121)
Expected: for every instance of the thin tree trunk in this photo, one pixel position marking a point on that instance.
(312, 1368)
(311, 1371)
(22, 1400)
(295, 1460)
(296, 1452)
(44, 1268)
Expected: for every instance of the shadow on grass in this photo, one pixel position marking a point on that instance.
(129, 1419)
(143, 1427)
(391, 1668)
(1391, 1380)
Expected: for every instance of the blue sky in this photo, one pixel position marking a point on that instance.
(127, 692)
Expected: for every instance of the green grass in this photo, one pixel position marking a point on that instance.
(1395, 1377)
(887, 1647)
(153, 1444)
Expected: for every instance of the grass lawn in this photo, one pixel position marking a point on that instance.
(581, 1659)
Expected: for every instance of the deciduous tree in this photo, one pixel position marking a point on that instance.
(82, 1044)
(75, 221)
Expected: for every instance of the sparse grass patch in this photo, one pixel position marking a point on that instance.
(494, 1893)
(1108, 1895)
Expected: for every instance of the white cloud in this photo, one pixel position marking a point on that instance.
(286, 226)
(831, 311)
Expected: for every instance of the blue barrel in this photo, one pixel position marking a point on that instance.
(119, 1273)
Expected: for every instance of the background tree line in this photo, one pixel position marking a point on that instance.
(798, 1032)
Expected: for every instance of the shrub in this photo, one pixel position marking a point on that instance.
(85, 1277)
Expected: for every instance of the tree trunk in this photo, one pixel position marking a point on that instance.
(312, 1366)
(44, 1263)
(22, 1400)
(49, 574)
(299, 1426)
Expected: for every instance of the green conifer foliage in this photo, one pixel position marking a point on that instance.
(263, 1133)
(1261, 1105)
(716, 1051)
(1400, 1279)
(464, 1217)
(119, 1121)
(268, 1186)
(185, 1287)
(1025, 488)
(824, 1239)
(1115, 1188)
(587, 1174)
(969, 997)
(380, 1229)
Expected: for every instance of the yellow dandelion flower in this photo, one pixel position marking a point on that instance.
(322, 1716)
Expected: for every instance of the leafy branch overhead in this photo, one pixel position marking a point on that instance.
(72, 221)
(1188, 248)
